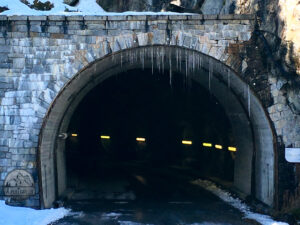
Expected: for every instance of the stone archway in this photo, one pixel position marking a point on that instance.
(249, 120)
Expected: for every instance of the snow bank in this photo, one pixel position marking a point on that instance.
(84, 7)
(237, 203)
(10, 215)
(209, 223)
(131, 223)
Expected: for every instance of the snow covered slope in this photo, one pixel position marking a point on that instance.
(84, 7)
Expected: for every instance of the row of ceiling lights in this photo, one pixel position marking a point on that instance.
(184, 142)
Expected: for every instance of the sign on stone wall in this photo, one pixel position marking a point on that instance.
(19, 185)
(292, 155)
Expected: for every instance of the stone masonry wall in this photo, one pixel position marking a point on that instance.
(40, 54)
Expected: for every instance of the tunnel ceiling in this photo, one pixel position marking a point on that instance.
(139, 98)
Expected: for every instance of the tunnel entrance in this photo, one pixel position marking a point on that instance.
(138, 126)
(165, 94)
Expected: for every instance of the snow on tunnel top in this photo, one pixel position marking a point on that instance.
(86, 7)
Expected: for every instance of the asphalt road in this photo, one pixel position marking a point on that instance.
(149, 196)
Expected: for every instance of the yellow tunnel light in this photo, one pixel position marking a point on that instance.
(185, 142)
(74, 135)
(140, 139)
(104, 137)
(218, 146)
(207, 144)
(232, 149)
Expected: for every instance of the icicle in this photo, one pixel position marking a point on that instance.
(209, 77)
(158, 59)
(249, 100)
(228, 78)
(190, 65)
(210, 72)
(186, 64)
(121, 59)
(163, 60)
(187, 70)
(193, 62)
(152, 55)
(135, 56)
(170, 68)
(200, 62)
(140, 56)
(156, 56)
(177, 58)
(143, 59)
(191, 69)
(180, 60)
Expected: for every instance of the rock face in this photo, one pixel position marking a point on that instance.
(2, 9)
(71, 2)
(39, 5)
(278, 32)
(212, 7)
(196, 6)
(151, 5)
(131, 5)
(289, 14)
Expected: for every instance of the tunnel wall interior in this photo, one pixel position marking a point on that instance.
(249, 122)
(129, 130)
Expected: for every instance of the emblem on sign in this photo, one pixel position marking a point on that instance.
(19, 185)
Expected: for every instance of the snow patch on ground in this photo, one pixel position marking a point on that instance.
(204, 223)
(209, 223)
(112, 214)
(237, 203)
(76, 214)
(84, 7)
(10, 215)
(131, 223)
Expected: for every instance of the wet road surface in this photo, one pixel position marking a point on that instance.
(160, 199)
(162, 213)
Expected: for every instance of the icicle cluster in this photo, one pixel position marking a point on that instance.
(182, 60)
(164, 59)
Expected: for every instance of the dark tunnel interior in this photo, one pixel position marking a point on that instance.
(106, 161)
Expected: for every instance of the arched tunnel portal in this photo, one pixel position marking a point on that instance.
(186, 77)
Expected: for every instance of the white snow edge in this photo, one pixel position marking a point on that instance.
(10, 215)
(237, 203)
(84, 7)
